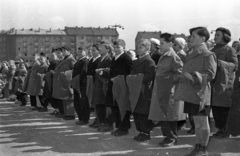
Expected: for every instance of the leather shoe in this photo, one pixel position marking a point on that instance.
(105, 128)
(120, 132)
(44, 109)
(69, 118)
(95, 124)
(81, 123)
(169, 143)
(142, 137)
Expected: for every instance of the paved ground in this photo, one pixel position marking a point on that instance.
(27, 133)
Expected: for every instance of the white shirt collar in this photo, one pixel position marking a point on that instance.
(94, 59)
(104, 57)
(117, 56)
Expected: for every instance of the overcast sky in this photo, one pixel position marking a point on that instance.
(173, 16)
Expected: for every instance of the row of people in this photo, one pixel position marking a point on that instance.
(161, 85)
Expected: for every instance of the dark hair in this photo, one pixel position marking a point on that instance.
(119, 42)
(42, 54)
(167, 37)
(66, 48)
(226, 34)
(82, 48)
(201, 31)
(107, 45)
(96, 46)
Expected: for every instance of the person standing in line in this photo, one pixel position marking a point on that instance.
(164, 107)
(236, 46)
(30, 81)
(121, 65)
(47, 91)
(91, 72)
(227, 64)
(100, 84)
(22, 73)
(155, 49)
(62, 76)
(80, 99)
(199, 70)
(144, 66)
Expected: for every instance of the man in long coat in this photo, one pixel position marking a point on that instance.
(144, 66)
(164, 107)
(62, 90)
(91, 76)
(80, 99)
(100, 83)
(47, 91)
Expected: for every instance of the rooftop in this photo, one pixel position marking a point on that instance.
(37, 31)
(91, 31)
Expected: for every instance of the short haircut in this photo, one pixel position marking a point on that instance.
(42, 54)
(96, 46)
(145, 42)
(107, 45)
(167, 37)
(119, 42)
(201, 31)
(66, 48)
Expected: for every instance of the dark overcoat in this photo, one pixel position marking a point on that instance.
(47, 91)
(145, 66)
(121, 66)
(35, 83)
(80, 69)
(100, 84)
(62, 76)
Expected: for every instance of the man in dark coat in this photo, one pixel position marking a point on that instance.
(47, 91)
(144, 66)
(121, 65)
(91, 72)
(100, 83)
(80, 99)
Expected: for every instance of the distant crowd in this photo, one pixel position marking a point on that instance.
(162, 83)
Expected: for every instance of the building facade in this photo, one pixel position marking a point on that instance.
(24, 43)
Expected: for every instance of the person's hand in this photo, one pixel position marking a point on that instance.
(188, 76)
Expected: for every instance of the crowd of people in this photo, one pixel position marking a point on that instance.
(161, 83)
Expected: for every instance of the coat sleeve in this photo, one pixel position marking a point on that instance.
(177, 66)
(149, 72)
(231, 60)
(209, 69)
(83, 74)
(128, 65)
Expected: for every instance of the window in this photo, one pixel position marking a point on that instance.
(63, 43)
(106, 37)
(35, 49)
(24, 45)
(36, 44)
(81, 43)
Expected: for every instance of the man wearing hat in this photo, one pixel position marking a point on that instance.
(154, 51)
(227, 64)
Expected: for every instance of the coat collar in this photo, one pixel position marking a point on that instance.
(171, 52)
(101, 62)
(139, 61)
(119, 59)
(65, 60)
(195, 52)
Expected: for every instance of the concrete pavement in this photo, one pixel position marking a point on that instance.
(24, 132)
